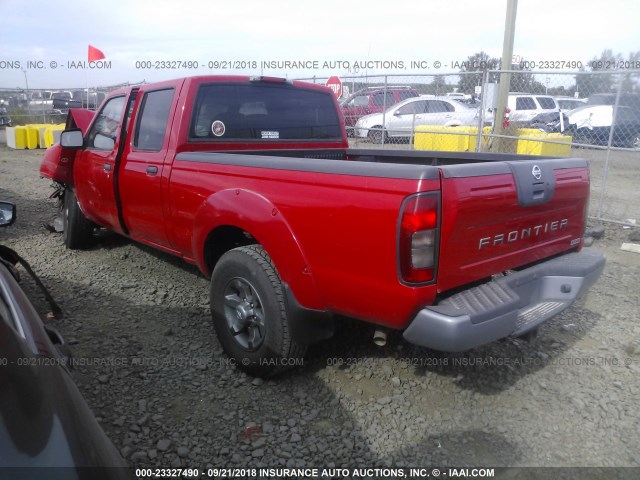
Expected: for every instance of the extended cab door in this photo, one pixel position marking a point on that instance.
(142, 170)
(94, 169)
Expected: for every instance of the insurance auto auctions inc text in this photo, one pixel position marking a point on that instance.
(353, 473)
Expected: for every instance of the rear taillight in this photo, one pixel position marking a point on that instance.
(418, 238)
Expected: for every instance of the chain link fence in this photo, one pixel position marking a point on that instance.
(593, 115)
(27, 106)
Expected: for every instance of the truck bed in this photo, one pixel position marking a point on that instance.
(409, 157)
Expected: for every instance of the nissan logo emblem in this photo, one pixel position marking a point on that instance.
(537, 173)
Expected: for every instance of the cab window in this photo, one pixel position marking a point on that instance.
(359, 101)
(383, 99)
(412, 108)
(264, 112)
(152, 125)
(104, 130)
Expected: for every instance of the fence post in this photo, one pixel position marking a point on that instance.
(384, 110)
(485, 80)
(605, 172)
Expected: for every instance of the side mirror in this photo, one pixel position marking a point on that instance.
(396, 113)
(7, 214)
(72, 139)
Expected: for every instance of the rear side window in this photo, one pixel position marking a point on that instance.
(152, 125)
(359, 101)
(258, 111)
(438, 106)
(525, 103)
(546, 103)
(104, 130)
(405, 95)
(379, 99)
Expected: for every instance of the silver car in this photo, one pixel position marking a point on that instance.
(401, 119)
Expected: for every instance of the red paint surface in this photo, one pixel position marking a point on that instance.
(333, 238)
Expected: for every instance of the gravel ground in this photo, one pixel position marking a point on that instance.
(167, 395)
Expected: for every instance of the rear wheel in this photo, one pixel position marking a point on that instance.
(249, 313)
(634, 141)
(77, 230)
(376, 134)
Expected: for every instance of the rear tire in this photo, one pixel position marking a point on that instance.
(376, 134)
(634, 141)
(249, 313)
(77, 230)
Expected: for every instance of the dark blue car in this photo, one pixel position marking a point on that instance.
(46, 428)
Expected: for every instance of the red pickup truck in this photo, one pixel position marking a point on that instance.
(252, 180)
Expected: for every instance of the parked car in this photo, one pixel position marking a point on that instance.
(569, 103)
(525, 106)
(592, 124)
(252, 180)
(461, 97)
(400, 120)
(5, 120)
(372, 100)
(78, 99)
(62, 95)
(549, 122)
(44, 420)
(41, 98)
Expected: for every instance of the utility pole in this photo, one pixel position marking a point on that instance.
(505, 78)
(28, 95)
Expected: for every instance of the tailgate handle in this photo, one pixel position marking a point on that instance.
(538, 190)
(535, 181)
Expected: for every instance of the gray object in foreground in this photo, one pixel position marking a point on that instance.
(510, 305)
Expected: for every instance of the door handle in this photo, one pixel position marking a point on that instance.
(152, 170)
(106, 167)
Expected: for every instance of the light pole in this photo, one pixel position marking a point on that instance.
(27, 84)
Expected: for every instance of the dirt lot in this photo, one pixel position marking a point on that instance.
(156, 377)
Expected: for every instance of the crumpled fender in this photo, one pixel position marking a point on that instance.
(257, 216)
(57, 163)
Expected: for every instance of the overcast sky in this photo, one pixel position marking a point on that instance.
(278, 30)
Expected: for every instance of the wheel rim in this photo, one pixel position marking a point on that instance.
(635, 143)
(244, 313)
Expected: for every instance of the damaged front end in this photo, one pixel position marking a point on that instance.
(57, 163)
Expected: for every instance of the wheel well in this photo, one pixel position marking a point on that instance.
(222, 239)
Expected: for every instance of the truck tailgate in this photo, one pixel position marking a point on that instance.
(498, 216)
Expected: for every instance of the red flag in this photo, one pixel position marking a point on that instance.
(95, 54)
